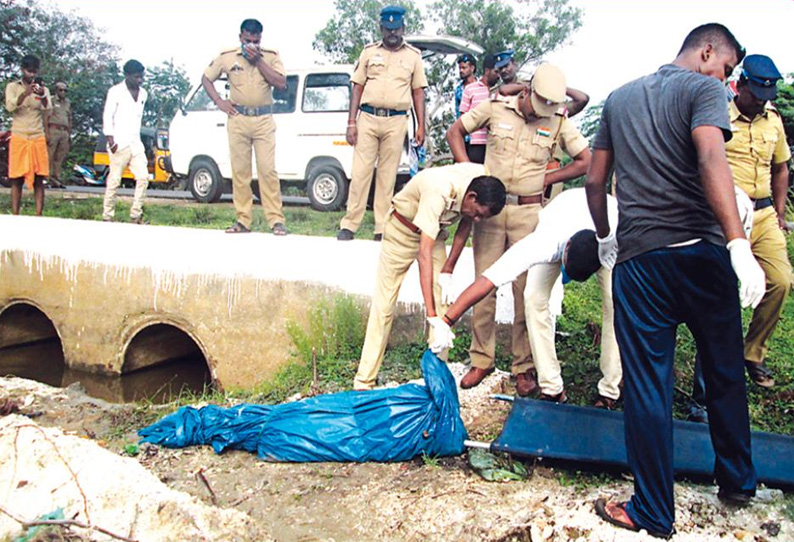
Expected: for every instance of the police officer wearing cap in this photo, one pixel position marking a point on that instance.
(252, 71)
(759, 158)
(506, 64)
(388, 78)
(523, 133)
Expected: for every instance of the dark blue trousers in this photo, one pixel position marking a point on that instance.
(653, 293)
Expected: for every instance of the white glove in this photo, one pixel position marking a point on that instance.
(752, 281)
(442, 335)
(445, 281)
(608, 250)
(746, 211)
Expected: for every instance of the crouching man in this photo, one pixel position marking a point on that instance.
(563, 242)
(416, 230)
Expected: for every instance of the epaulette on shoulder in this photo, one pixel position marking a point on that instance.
(412, 48)
(231, 50)
(271, 50)
(562, 112)
(373, 44)
(771, 107)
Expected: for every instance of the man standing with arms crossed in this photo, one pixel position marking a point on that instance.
(389, 77)
(59, 121)
(28, 100)
(759, 158)
(253, 71)
(523, 132)
(121, 124)
(664, 134)
(473, 95)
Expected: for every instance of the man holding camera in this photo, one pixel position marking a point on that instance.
(28, 162)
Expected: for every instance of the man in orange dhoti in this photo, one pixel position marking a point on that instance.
(27, 100)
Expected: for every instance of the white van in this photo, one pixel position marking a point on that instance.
(310, 116)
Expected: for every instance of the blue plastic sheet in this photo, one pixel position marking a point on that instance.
(394, 424)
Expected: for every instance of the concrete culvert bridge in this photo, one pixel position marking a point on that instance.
(159, 308)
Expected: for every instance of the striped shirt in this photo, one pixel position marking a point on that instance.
(473, 94)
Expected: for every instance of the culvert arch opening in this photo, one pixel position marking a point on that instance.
(161, 362)
(29, 345)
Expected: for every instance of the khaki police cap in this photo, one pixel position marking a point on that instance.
(548, 90)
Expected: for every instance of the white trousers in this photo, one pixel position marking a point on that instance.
(139, 167)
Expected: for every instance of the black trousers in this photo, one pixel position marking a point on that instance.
(653, 294)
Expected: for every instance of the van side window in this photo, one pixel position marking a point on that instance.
(326, 92)
(200, 101)
(284, 100)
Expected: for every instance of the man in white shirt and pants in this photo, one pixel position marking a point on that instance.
(122, 128)
(563, 240)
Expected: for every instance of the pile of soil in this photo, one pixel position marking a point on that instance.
(65, 449)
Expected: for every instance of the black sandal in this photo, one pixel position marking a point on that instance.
(760, 373)
(238, 228)
(605, 403)
(279, 229)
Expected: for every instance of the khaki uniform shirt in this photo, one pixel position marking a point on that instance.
(433, 197)
(247, 85)
(518, 151)
(388, 77)
(756, 145)
(61, 112)
(29, 117)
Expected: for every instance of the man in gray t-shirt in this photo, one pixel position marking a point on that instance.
(665, 135)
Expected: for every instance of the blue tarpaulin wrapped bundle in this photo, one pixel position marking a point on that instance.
(394, 424)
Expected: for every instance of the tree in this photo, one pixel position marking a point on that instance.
(167, 85)
(357, 23)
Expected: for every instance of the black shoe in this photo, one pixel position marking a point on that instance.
(735, 498)
(345, 235)
(697, 414)
(760, 373)
(378, 237)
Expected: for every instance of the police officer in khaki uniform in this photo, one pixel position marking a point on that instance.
(523, 133)
(759, 158)
(416, 230)
(389, 76)
(59, 120)
(252, 72)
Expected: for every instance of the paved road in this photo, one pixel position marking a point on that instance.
(179, 195)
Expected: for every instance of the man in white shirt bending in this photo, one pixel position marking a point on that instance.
(563, 242)
(122, 128)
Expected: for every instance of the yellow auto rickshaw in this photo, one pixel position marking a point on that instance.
(155, 141)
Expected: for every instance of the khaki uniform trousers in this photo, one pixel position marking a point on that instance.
(492, 237)
(540, 282)
(259, 133)
(57, 148)
(399, 250)
(140, 169)
(769, 248)
(379, 138)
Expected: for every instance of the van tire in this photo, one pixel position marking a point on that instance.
(327, 188)
(204, 181)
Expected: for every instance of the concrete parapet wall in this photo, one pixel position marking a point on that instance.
(101, 284)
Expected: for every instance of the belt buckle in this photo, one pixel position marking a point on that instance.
(381, 112)
(511, 199)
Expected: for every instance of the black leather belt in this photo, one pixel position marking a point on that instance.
(534, 199)
(381, 112)
(761, 203)
(254, 111)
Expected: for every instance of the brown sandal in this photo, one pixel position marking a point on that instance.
(238, 228)
(607, 511)
(605, 403)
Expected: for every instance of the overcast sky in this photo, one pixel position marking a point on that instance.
(619, 39)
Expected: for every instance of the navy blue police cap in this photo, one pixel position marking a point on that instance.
(391, 17)
(503, 58)
(466, 57)
(762, 76)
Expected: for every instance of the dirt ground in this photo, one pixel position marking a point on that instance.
(235, 496)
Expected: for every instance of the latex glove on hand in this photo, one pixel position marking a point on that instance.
(442, 335)
(445, 282)
(608, 250)
(752, 281)
(745, 206)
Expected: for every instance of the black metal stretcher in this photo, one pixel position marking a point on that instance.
(589, 435)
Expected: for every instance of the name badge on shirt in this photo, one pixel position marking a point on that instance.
(504, 126)
(377, 60)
